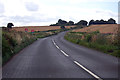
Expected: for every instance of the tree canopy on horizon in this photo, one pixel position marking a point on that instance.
(84, 22)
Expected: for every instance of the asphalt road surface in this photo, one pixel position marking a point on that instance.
(54, 57)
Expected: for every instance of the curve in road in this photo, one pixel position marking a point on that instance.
(54, 57)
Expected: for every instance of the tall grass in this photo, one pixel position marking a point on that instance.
(118, 36)
(13, 42)
(94, 40)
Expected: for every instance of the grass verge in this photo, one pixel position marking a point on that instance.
(13, 42)
(42, 34)
(94, 40)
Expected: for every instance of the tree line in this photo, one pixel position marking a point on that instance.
(81, 22)
(84, 22)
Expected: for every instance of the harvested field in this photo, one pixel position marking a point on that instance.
(69, 26)
(38, 28)
(107, 28)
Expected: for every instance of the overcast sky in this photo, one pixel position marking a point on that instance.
(46, 12)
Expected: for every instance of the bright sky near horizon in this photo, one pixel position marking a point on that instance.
(46, 12)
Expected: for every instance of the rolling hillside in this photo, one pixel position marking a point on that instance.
(38, 28)
(107, 28)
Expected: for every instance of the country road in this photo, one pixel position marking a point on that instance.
(54, 57)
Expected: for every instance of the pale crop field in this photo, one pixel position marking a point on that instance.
(38, 28)
(106, 28)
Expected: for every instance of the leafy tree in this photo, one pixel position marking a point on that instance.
(97, 22)
(102, 22)
(70, 23)
(91, 22)
(82, 22)
(111, 21)
(61, 22)
(9, 25)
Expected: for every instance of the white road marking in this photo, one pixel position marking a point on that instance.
(87, 70)
(54, 42)
(94, 75)
(59, 48)
(64, 53)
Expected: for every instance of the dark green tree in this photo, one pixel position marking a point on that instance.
(70, 23)
(9, 25)
(62, 22)
(111, 21)
(91, 22)
(82, 22)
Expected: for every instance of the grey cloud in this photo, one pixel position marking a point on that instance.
(1, 8)
(24, 20)
(30, 6)
(107, 13)
(29, 19)
(113, 15)
(2, 16)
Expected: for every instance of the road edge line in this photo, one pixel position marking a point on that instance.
(94, 75)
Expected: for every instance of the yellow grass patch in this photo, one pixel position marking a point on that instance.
(38, 28)
(106, 28)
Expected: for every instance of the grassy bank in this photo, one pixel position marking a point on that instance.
(13, 42)
(95, 40)
(42, 34)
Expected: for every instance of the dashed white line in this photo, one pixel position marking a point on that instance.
(94, 75)
(53, 42)
(64, 53)
(57, 47)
